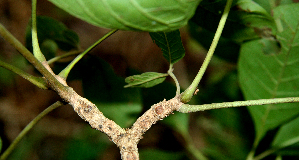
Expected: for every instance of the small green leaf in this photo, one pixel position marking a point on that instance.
(148, 79)
(170, 44)
(145, 15)
(51, 31)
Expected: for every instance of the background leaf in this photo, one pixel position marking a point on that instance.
(170, 44)
(247, 20)
(145, 15)
(287, 135)
(52, 35)
(105, 89)
(148, 79)
(265, 76)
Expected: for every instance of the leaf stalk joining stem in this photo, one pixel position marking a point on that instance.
(188, 93)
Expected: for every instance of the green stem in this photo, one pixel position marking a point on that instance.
(38, 81)
(188, 93)
(170, 73)
(71, 53)
(186, 108)
(36, 50)
(265, 154)
(64, 73)
(29, 56)
(28, 128)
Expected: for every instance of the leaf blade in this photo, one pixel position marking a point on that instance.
(272, 75)
(148, 79)
(170, 44)
(151, 16)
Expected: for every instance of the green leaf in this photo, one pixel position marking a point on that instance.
(287, 135)
(102, 87)
(145, 15)
(148, 79)
(246, 20)
(170, 44)
(51, 31)
(265, 76)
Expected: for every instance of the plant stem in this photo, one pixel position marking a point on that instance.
(186, 108)
(38, 81)
(170, 73)
(28, 128)
(64, 73)
(17, 44)
(68, 54)
(36, 50)
(28, 55)
(188, 93)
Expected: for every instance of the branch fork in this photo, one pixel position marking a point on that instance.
(125, 139)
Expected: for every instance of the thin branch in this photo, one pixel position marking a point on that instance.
(189, 92)
(38, 81)
(13, 145)
(68, 54)
(36, 50)
(170, 73)
(64, 73)
(29, 56)
(186, 108)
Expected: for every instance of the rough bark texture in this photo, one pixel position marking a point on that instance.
(125, 139)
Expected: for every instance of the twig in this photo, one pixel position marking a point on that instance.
(38, 81)
(186, 108)
(188, 93)
(64, 73)
(13, 145)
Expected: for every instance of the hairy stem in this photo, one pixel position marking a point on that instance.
(13, 145)
(186, 108)
(188, 93)
(64, 73)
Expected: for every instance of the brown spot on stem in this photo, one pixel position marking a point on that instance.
(159, 110)
(87, 109)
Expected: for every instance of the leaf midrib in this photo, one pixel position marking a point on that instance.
(143, 82)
